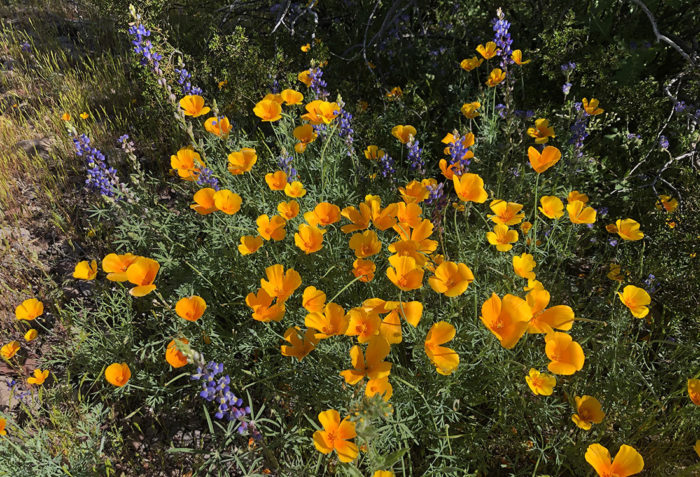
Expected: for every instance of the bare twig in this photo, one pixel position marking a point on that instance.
(660, 36)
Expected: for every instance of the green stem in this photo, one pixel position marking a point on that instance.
(343, 289)
(533, 242)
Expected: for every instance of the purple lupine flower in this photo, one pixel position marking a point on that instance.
(218, 390)
(415, 155)
(184, 80)
(566, 87)
(457, 152)
(568, 67)
(650, 284)
(100, 178)
(680, 106)
(285, 162)
(501, 108)
(144, 47)
(387, 165)
(663, 142)
(26, 47)
(613, 242)
(318, 84)
(206, 178)
(502, 38)
(579, 130)
(345, 130)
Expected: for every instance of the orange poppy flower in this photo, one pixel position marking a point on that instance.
(469, 64)
(305, 77)
(525, 227)
(288, 210)
(116, 266)
(193, 105)
(306, 135)
(383, 387)
(667, 203)
(271, 228)
(280, 284)
(313, 300)
(541, 132)
(250, 244)
(523, 266)
(360, 218)
(324, 214)
(694, 391)
(365, 244)
(579, 213)
(300, 345)
(552, 207)
(502, 237)
(263, 309)
(38, 377)
(142, 273)
(309, 238)
(384, 218)
(403, 133)
(404, 273)
(85, 270)
(31, 335)
(408, 215)
(174, 356)
(9, 350)
(29, 309)
(419, 235)
(218, 126)
(591, 107)
(636, 299)
(541, 162)
(390, 328)
(373, 153)
(268, 110)
(507, 319)
(628, 229)
(488, 51)
(364, 269)
(276, 181)
(187, 163)
(118, 374)
(566, 355)
(467, 141)
(445, 359)
(414, 192)
(66, 117)
(588, 411)
(371, 365)
(362, 324)
(560, 317)
(517, 57)
(240, 162)
(332, 322)
(470, 188)
(469, 110)
(576, 195)
(291, 97)
(335, 436)
(204, 201)
(495, 78)
(190, 308)
(627, 461)
(321, 112)
(541, 384)
(506, 213)
(295, 189)
(227, 202)
(451, 279)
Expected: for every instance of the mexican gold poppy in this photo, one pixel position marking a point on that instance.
(451, 279)
(187, 163)
(299, 345)
(249, 244)
(116, 266)
(220, 126)
(363, 324)
(628, 229)
(263, 309)
(469, 64)
(390, 328)
(227, 202)
(321, 112)
(383, 387)
(85, 270)
(408, 215)
(3, 423)
(371, 365)
(466, 141)
(384, 218)
(84, 115)
(174, 356)
(667, 203)
(495, 78)
(271, 228)
(404, 273)
(335, 436)
(240, 162)
(295, 189)
(204, 203)
(566, 355)
(576, 195)
(488, 51)
(507, 319)
(364, 269)
(552, 207)
(591, 107)
(142, 273)
(288, 210)
(280, 284)
(419, 236)
(9, 350)
(543, 320)
(365, 244)
(309, 238)
(469, 110)
(615, 272)
(66, 117)
(276, 180)
(324, 214)
(541, 384)
(193, 105)
(579, 213)
(502, 237)
(627, 461)
(542, 131)
(694, 391)
(403, 133)
(291, 97)
(359, 218)
(305, 77)
(29, 309)
(414, 192)
(268, 110)
(525, 227)
(31, 335)
(331, 322)
(305, 134)
(523, 265)
(190, 308)
(118, 374)
(506, 213)
(373, 153)
(470, 188)
(636, 299)
(517, 57)
(588, 411)
(541, 162)
(313, 300)
(445, 359)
